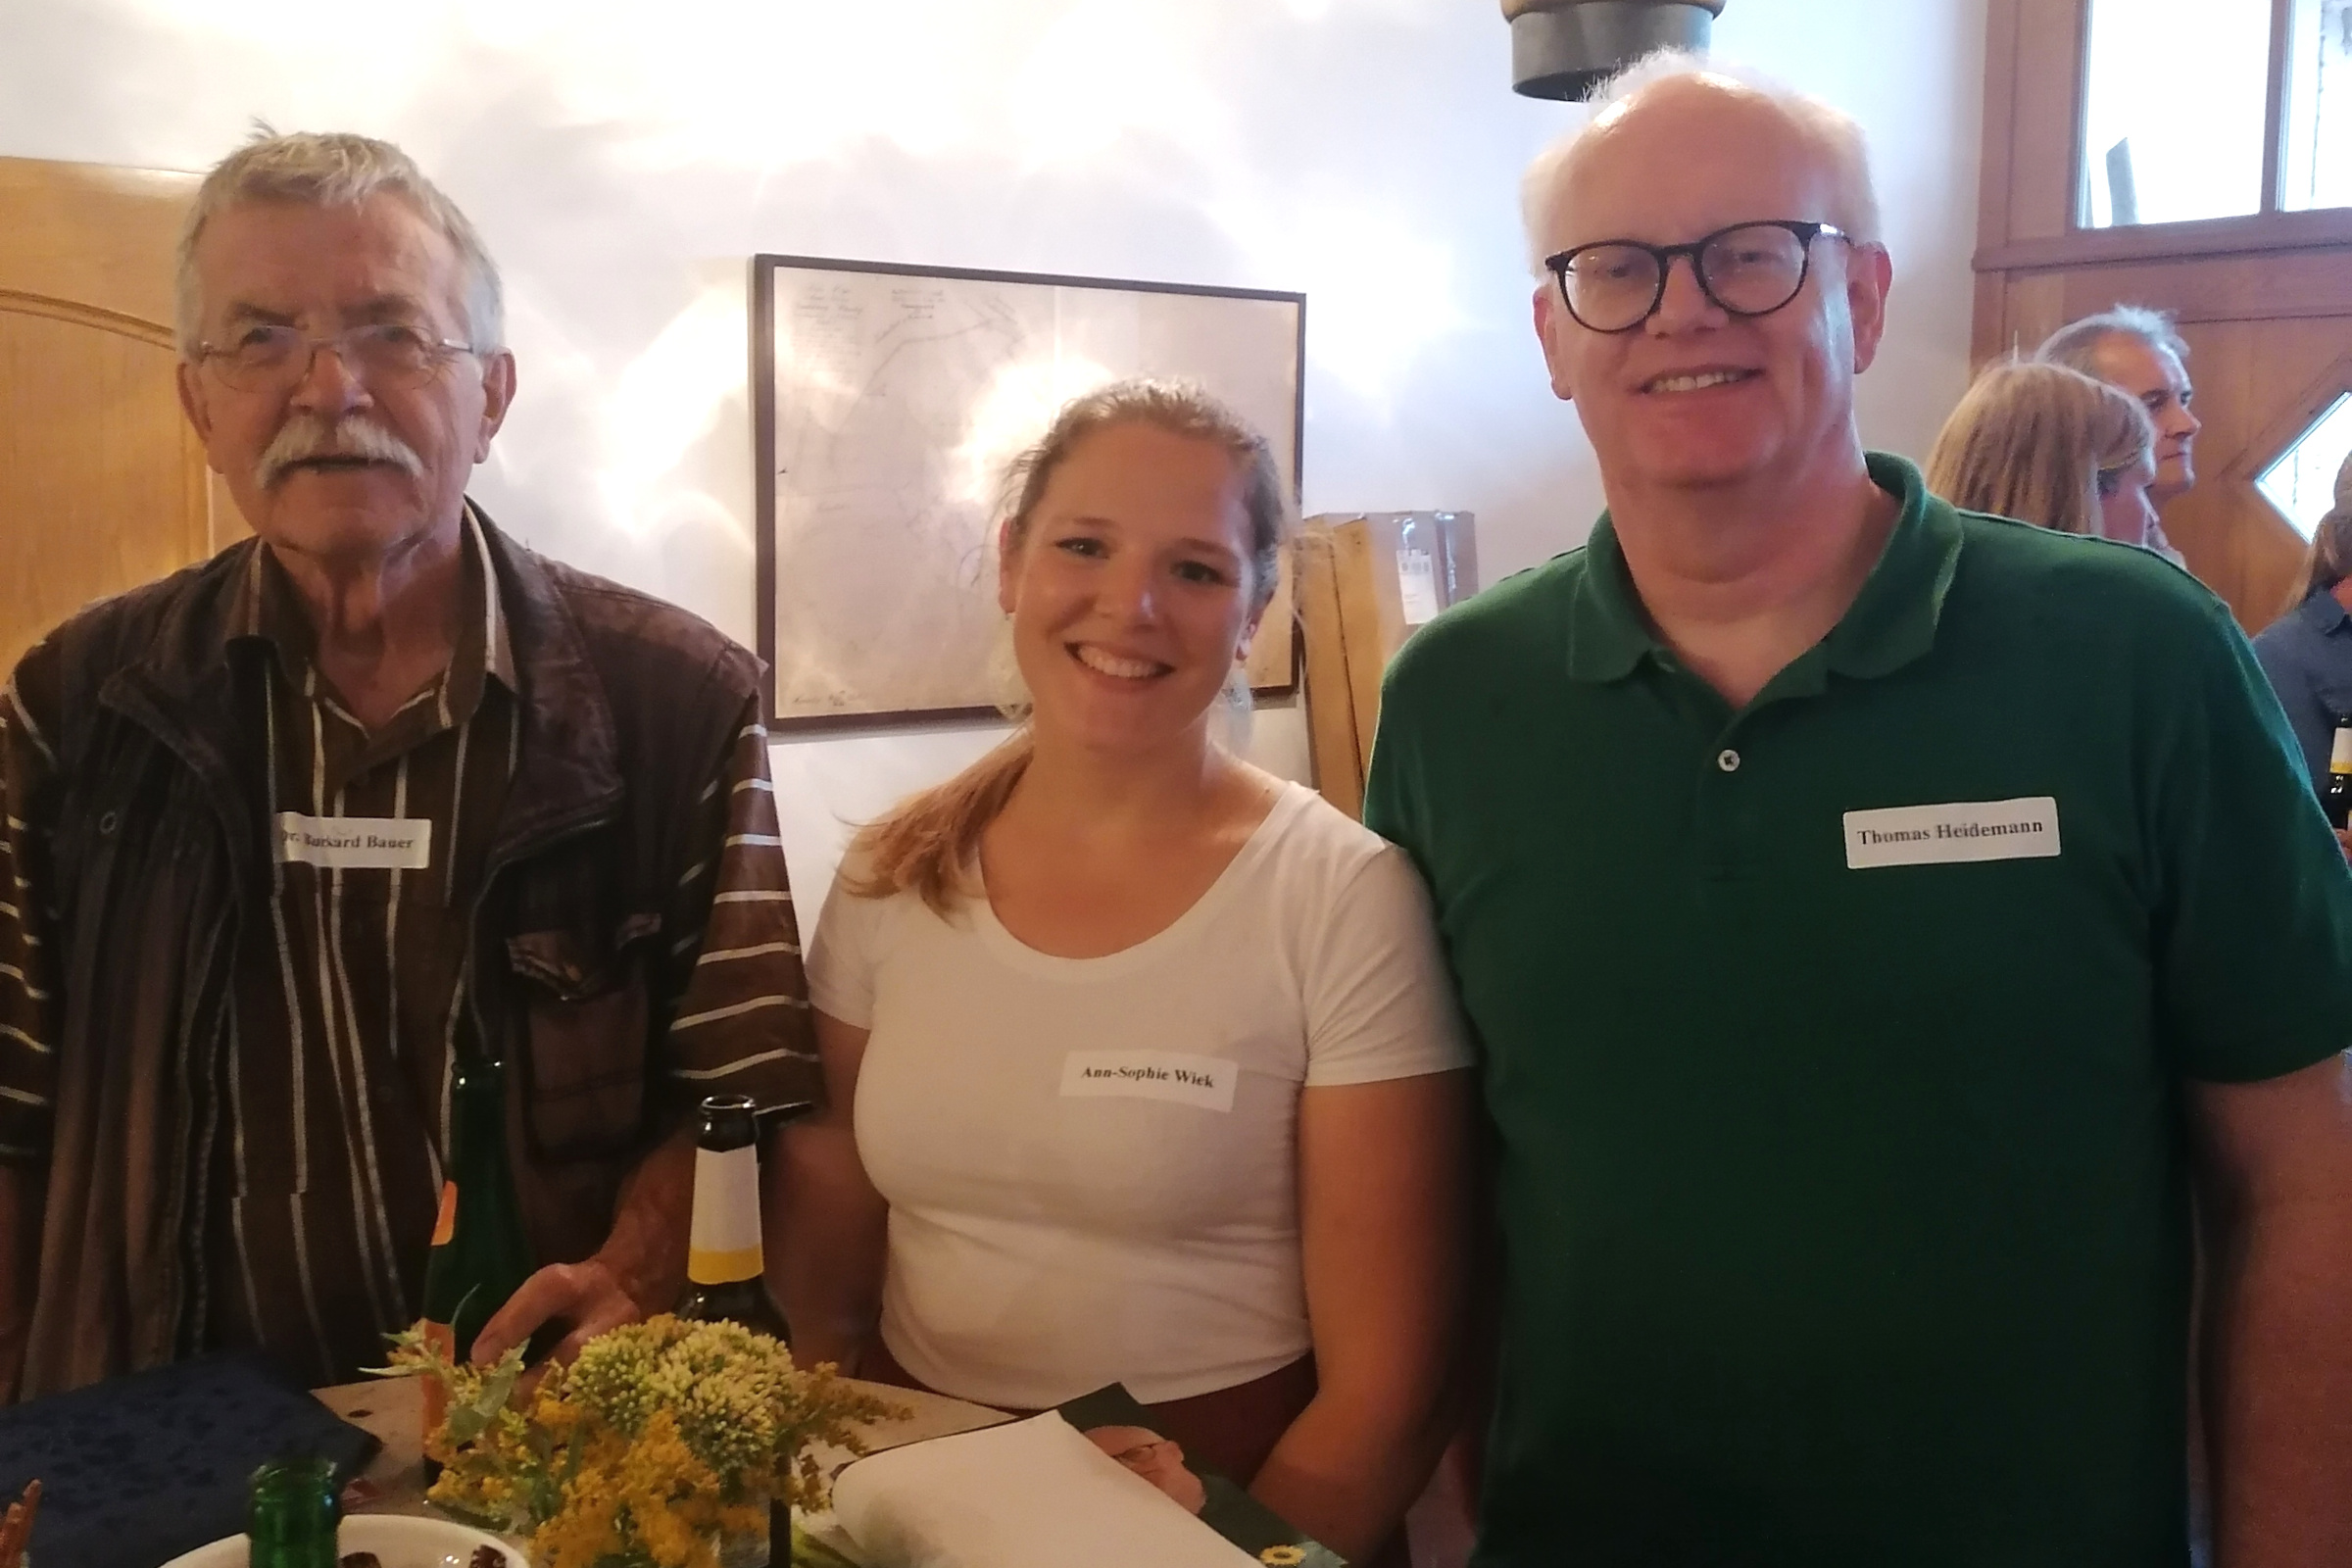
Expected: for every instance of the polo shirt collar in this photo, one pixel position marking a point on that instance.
(1891, 622)
(1607, 633)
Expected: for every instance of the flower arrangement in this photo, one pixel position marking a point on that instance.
(661, 1440)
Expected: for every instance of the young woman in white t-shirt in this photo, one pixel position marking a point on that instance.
(1143, 1064)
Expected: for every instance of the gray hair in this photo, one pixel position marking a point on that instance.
(1854, 201)
(2076, 345)
(336, 168)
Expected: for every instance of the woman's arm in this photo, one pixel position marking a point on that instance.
(826, 1223)
(1384, 1219)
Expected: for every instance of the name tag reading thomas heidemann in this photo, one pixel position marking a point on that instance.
(2022, 829)
(355, 843)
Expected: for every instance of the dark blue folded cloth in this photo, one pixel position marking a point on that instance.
(138, 1469)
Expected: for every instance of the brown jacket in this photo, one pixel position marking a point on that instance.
(156, 863)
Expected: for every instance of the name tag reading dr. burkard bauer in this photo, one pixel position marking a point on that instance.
(2022, 829)
(355, 843)
(1189, 1080)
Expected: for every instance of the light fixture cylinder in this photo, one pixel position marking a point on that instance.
(1565, 48)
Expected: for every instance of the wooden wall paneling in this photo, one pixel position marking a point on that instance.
(2044, 118)
(2265, 301)
(1338, 756)
(102, 484)
(99, 237)
(2222, 288)
(2274, 106)
(2271, 560)
(2002, 19)
(1988, 322)
(1363, 617)
(2251, 234)
(2332, 380)
(2033, 306)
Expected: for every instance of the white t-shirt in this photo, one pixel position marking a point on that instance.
(1091, 1163)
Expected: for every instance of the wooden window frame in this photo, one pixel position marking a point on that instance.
(2026, 97)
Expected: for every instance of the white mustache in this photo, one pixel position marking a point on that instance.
(305, 436)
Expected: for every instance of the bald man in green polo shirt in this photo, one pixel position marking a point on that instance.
(1877, 922)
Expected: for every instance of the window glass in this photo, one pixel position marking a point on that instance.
(2172, 118)
(2317, 168)
(2302, 482)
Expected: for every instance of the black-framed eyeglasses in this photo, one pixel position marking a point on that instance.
(271, 358)
(1614, 285)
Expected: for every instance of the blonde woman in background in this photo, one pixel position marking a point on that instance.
(2308, 651)
(1142, 1064)
(2049, 446)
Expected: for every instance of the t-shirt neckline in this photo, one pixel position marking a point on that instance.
(1012, 950)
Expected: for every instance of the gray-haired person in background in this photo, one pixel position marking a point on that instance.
(290, 831)
(2140, 351)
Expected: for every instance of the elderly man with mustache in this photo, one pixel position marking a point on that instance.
(293, 832)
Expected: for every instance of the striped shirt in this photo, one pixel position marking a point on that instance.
(321, 1125)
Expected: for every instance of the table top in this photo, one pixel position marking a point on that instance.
(392, 1408)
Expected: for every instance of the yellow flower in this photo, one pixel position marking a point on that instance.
(1282, 1556)
(658, 1438)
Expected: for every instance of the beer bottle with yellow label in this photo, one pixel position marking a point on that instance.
(726, 1268)
(725, 1263)
(480, 1253)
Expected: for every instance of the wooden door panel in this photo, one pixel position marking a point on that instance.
(2265, 302)
(102, 484)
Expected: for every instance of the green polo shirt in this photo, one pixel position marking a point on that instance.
(1844, 1206)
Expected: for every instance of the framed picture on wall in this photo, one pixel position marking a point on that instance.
(887, 402)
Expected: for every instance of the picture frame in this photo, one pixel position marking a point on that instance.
(887, 399)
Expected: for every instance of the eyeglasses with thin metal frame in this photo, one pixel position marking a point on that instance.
(269, 357)
(1748, 270)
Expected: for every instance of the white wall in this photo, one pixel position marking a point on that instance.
(624, 157)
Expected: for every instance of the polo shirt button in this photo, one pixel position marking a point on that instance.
(1727, 760)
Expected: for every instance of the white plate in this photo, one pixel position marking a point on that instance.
(397, 1540)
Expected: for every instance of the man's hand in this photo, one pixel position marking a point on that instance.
(640, 1270)
(589, 1296)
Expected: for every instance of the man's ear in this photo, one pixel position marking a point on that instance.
(1868, 276)
(498, 396)
(1552, 325)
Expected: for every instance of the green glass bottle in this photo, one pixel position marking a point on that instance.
(480, 1252)
(293, 1512)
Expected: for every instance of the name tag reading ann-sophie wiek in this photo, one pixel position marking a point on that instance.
(355, 843)
(1188, 1080)
(2022, 829)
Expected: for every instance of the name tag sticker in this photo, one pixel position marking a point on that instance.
(355, 843)
(2022, 829)
(1204, 1081)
